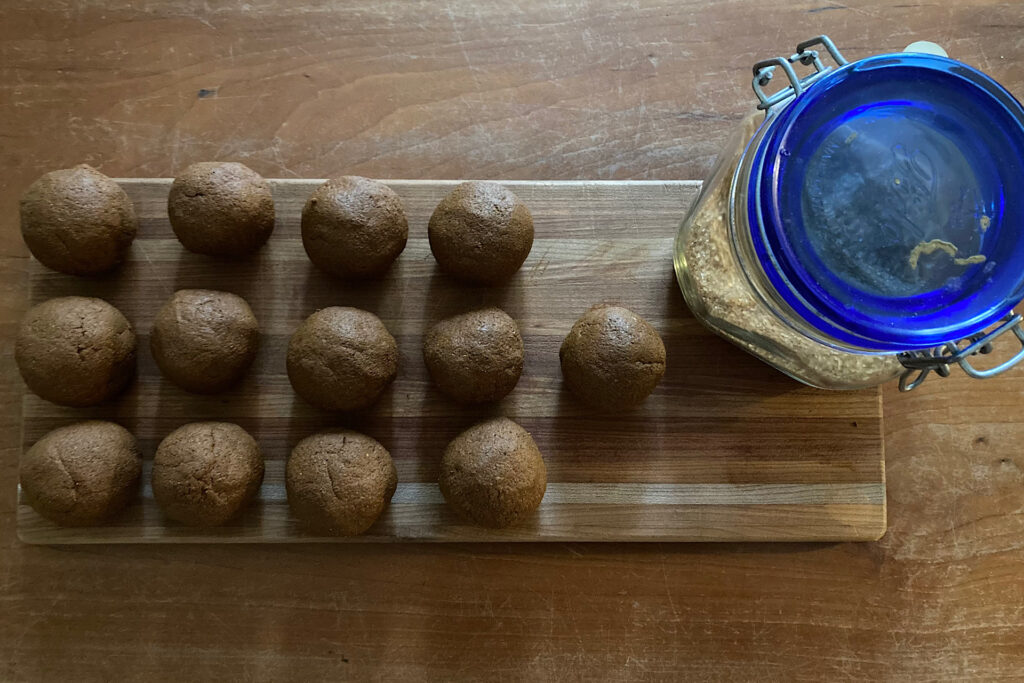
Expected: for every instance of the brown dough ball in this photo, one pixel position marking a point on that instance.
(354, 227)
(475, 357)
(342, 358)
(75, 351)
(612, 358)
(493, 474)
(81, 474)
(340, 481)
(221, 209)
(78, 221)
(481, 233)
(203, 340)
(204, 473)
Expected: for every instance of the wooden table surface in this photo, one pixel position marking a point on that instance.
(528, 90)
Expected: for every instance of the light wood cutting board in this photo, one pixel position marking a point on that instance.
(726, 449)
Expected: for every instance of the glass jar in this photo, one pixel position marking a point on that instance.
(869, 227)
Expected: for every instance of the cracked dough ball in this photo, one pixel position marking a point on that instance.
(78, 221)
(354, 227)
(493, 474)
(475, 357)
(481, 232)
(342, 359)
(204, 473)
(203, 340)
(81, 474)
(221, 209)
(339, 482)
(75, 351)
(612, 358)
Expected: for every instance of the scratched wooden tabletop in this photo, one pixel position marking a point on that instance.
(512, 90)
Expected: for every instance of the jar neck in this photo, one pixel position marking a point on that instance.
(741, 236)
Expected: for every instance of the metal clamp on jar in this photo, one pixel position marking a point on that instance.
(870, 227)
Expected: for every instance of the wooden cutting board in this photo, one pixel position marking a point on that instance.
(726, 449)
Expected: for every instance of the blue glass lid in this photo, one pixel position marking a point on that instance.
(887, 202)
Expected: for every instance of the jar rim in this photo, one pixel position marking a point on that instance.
(875, 300)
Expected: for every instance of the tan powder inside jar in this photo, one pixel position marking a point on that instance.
(730, 307)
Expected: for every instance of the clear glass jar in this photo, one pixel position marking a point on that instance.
(857, 231)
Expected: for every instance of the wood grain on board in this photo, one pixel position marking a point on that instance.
(725, 449)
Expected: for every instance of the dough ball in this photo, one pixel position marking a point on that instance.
(78, 221)
(342, 359)
(75, 351)
(481, 233)
(612, 358)
(81, 474)
(339, 482)
(203, 340)
(354, 227)
(204, 473)
(493, 474)
(221, 209)
(475, 357)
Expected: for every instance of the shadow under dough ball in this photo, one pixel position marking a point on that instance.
(203, 340)
(475, 357)
(481, 232)
(78, 221)
(204, 473)
(493, 474)
(81, 474)
(612, 358)
(354, 227)
(339, 482)
(75, 351)
(221, 209)
(342, 359)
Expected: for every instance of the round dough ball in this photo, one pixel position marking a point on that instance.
(354, 227)
(75, 351)
(475, 357)
(493, 474)
(78, 221)
(340, 481)
(221, 209)
(203, 340)
(81, 474)
(342, 358)
(481, 233)
(204, 473)
(612, 358)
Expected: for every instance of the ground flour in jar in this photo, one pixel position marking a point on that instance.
(720, 295)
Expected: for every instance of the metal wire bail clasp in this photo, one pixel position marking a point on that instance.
(765, 69)
(920, 364)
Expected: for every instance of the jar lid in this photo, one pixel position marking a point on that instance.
(887, 202)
